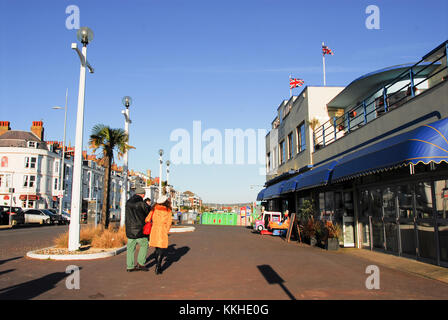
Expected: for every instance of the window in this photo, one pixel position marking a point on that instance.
(30, 162)
(268, 162)
(282, 152)
(55, 184)
(441, 193)
(29, 181)
(301, 137)
(32, 144)
(56, 166)
(5, 180)
(423, 199)
(290, 146)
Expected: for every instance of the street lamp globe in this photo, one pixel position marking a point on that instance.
(161, 152)
(127, 101)
(85, 35)
(168, 163)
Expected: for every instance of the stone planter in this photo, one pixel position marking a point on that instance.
(332, 244)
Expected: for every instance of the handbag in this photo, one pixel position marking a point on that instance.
(148, 226)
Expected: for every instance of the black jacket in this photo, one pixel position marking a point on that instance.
(136, 212)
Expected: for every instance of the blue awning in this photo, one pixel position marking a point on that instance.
(260, 195)
(290, 185)
(318, 176)
(273, 191)
(428, 143)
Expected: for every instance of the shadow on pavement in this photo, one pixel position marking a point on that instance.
(33, 288)
(6, 271)
(272, 277)
(7, 260)
(171, 255)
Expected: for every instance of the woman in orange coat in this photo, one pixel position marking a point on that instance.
(161, 223)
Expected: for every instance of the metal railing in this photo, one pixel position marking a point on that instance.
(384, 99)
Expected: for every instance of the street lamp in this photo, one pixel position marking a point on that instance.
(168, 178)
(124, 190)
(160, 171)
(85, 36)
(61, 167)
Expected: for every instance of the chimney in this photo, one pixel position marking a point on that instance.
(38, 129)
(4, 127)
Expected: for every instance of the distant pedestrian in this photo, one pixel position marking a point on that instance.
(161, 223)
(136, 212)
(179, 216)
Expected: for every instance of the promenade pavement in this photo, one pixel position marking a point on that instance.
(227, 263)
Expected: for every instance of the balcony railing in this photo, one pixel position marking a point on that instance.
(389, 97)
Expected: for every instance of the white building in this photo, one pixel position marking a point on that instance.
(30, 173)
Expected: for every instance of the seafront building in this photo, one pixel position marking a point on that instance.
(30, 173)
(372, 156)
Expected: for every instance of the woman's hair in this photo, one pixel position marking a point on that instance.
(166, 204)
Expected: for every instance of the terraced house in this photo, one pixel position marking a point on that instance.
(30, 172)
(372, 156)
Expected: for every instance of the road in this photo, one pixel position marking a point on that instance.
(211, 263)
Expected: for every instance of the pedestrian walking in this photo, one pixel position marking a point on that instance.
(136, 212)
(179, 216)
(161, 223)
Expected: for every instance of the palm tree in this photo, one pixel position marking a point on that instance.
(108, 140)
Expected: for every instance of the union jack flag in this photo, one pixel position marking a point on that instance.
(293, 83)
(326, 50)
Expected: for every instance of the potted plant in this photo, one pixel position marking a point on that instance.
(305, 214)
(332, 234)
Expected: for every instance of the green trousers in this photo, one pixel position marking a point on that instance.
(141, 258)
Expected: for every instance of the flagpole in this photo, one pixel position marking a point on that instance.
(323, 62)
(290, 90)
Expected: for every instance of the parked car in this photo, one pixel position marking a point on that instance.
(54, 218)
(61, 218)
(66, 215)
(16, 213)
(37, 216)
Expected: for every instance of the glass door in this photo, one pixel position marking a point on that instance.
(391, 220)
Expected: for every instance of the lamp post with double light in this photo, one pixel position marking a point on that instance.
(85, 36)
(62, 164)
(124, 190)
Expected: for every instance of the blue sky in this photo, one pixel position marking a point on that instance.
(225, 63)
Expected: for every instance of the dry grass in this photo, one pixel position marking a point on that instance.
(96, 237)
(110, 239)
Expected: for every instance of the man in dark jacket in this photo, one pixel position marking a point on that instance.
(136, 212)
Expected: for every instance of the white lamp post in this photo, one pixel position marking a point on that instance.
(124, 190)
(167, 173)
(84, 35)
(160, 170)
(61, 166)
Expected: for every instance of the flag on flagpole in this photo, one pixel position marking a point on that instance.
(294, 83)
(326, 50)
